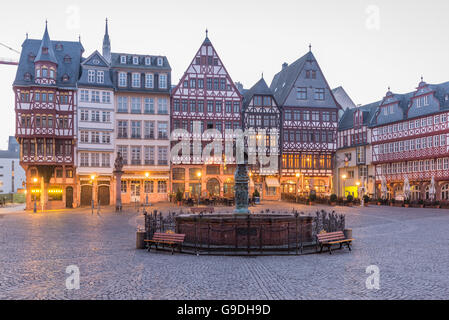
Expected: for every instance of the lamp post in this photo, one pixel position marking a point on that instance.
(92, 178)
(297, 186)
(147, 175)
(344, 184)
(35, 197)
(358, 191)
(199, 174)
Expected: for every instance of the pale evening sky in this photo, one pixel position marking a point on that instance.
(364, 46)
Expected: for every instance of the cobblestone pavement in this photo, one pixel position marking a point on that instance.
(410, 247)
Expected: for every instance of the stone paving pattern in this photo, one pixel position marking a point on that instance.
(409, 245)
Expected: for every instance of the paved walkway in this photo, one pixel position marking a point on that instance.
(410, 247)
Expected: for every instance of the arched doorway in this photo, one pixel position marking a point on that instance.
(103, 195)
(69, 197)
(86, 195)
(213, 187)
(445, 192)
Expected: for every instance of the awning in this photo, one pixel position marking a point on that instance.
(272, 182)
(143, 177)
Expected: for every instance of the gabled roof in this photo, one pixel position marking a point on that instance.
(95, 61)
(260, 88)
(343, 98)
(284, 80)
(46, 43)
(347, 120)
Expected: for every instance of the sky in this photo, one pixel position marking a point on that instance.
(363, 45)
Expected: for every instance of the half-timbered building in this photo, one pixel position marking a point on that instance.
(262, 120)
(45, 104)
(309, 126)
(354, 172)
(410, 139)
(206, 96)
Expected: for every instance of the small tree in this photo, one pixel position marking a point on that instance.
(366, 198)
(312, 196)
(350, 198)
(179, 195)
(333, 197)
(256, 194)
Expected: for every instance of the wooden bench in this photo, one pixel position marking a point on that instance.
(171, 239)
(328, 239)
(202, 210)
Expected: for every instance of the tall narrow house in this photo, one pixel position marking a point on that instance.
(309, 127)
(262, 118)
(205, 96)
(45, 104)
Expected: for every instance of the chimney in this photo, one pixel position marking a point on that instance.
(239, 86)
(284, 65)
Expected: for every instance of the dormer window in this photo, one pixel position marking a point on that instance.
(67, 59)
(27, 76)
(148, 61)
(135, 60)
(45, 50)
(91, 76)
(38, 73)
(65, 77)
(159, 61)
(52, 73)
(100, 76)
(123, 59)
(58, 47)
(31, 57)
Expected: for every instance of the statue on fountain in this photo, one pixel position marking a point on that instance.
(241, 189)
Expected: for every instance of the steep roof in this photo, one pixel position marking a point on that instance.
(260, 88)
(61, 49)
(284, 80)
(95, 61)
(48, 54)
(116, 63)
(347, 120)
(343, 98)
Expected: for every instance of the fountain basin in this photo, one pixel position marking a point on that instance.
(245, 230)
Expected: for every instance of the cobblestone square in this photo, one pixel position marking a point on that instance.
(409, 245)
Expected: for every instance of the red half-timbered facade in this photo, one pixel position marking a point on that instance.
(206, 96)
(45, 103)
(410, 139)
(309, 126)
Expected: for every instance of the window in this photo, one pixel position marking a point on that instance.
(149, 129)
(149, 155)
(149, 186)
(135, 156)
(136, 80)
(136, 129)
(106, 138)
(306, 115)
(148, 61)
(162, 106)
(91, 76)
(315, 116)
(319, 94)
(135, 60)
(236, 107)
(122, 129)
(84, 136)
(162, 81)
(84, 115)
(149, 105)
(136, 106)
(84, 159)
(95, 116)
(106, 97)
(159, 62)
(123, 59)
(123, 186)
(95, 137)
(122, 104)
(162, 130)
(84, 97)
(162, 155)
(149, 80)
(100, 76)
(105, 160)
(162, 186)
(200, 83)
(95, 159)
(122, 79)
(301, 93)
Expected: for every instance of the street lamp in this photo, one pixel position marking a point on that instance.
(344, 184)
(297, 185)
(199, 174)
(35, 197)
(92, 178)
